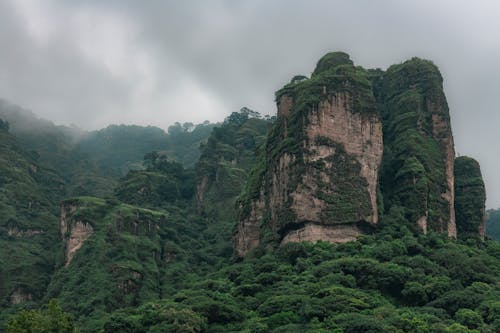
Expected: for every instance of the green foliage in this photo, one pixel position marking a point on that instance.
(90, 163)
(223, 169)
(163, 182)
(157, 260)
(122, 147)
(470, 197)
(52, 319)
(156, 317)
(331, 60)
(133, 255)
(352, 288)
(346, 199)
(29, 195)
(413, 175)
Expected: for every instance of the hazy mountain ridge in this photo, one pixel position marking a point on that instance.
(92, 162)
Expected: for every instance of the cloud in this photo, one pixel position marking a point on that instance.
(157, 62)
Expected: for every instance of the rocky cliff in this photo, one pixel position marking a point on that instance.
(418, 142)
(73, 232)
(115, 248)
(470, 198)
(318, 176)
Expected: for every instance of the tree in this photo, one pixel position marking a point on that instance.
(53, 319)
(150, 159)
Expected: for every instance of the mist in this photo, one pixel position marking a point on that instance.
(93, 63)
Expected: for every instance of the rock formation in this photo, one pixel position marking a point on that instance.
(470, 198)
(318, 178)
(73, 232)
(319, 175)
(418, 143)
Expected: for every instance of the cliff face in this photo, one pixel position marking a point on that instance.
(74, 233)
(318, 178)
(115, 248)
(319, 173)
(470, 198)
(419, 151)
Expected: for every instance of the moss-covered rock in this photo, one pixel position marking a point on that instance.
(470, 198)
(418, 144)
(331, 60)
(320, 164)
(116, 255)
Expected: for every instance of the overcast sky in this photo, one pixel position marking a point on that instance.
(93, 63)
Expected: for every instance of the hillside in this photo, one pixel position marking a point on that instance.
(29, 196)
(92, 162)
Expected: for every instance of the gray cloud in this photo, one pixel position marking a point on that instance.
(157, 62)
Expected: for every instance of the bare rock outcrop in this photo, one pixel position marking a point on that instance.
(312, 232)
(322, 161)
(23, 233)
(74, 232)
(19, 295)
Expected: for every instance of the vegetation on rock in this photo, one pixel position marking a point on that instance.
(470, 198)
(417, 139)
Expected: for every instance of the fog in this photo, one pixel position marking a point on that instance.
(93, 63)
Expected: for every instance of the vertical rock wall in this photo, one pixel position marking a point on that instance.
(319, 175)
(470, 198)
(419, 158)
(322, 162)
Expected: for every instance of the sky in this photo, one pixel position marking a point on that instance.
(93, 63)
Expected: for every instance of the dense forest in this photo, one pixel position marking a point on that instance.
(132, 229)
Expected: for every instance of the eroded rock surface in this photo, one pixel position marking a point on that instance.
(19, 233)
(74, 233)
(312, 232)
(322, 162)
(19, 295)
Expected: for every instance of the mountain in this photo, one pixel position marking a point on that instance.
(348, 212)
(319, 173)
(336, 132)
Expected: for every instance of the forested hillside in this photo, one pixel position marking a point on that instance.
(29, 196)
(92, 162)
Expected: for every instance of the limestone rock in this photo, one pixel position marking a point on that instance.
(321, 164)
(73, 232)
